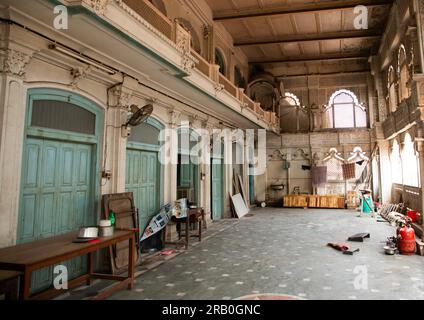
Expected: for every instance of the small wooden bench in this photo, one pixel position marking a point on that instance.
(9, 284)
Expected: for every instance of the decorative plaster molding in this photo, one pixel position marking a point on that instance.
(14, 63)
(187, 63)
(79, 74)
(278, 155)
(301, 154)
(182, 37)
(174, 117)
(120, 97)
(218, 87)
(99, 6)
(207, 32)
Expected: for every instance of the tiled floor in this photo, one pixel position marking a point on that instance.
(283, 251)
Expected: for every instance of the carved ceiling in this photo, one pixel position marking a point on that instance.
(302, 36)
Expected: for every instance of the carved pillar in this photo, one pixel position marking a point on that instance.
(13, 63)
(115, 157)
(183, 40)
(174, 118)
(206, 167)
(228, 170)
(414, 50)
(209, 35)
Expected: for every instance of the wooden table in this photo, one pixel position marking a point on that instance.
(9, 284)
(29, 257)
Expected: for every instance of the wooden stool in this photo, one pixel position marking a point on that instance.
(193, 216)
(9, 284)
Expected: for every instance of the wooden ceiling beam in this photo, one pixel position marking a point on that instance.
(327, 57)
(303, 8)
(323, 74)
(356, 34)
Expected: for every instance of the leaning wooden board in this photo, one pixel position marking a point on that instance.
(239, 205)
(122, 204)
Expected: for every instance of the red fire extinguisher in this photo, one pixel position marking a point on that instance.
(406, 240)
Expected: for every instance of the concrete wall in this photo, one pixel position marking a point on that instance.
(297, 149)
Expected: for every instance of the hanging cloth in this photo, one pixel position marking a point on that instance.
(319, 175)
(349, 171)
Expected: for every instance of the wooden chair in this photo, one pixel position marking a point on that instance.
(194, 216)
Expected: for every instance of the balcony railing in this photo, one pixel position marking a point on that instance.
(162, 23)
(152, 15)
(228, 85)
(203, 66)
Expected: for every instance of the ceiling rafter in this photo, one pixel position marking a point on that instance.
(326, 57)
(301, 8)
(297, 38)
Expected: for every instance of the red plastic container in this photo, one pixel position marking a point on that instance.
(413, 215)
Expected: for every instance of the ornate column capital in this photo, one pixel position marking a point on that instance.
(14, 62)
(174, 117)
(121, 94)
(119, 97)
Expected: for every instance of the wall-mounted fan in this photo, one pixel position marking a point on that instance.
(139, 115)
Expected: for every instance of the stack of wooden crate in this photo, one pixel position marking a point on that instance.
(314, 201)
(332, 202)
(296, 201)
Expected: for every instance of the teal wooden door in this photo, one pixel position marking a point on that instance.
(142, 179)
(57, 191)
(217, 189)
(186, 175)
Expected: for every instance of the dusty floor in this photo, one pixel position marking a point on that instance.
(283, 251)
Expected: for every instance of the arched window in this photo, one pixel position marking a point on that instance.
(391, 87)
(293, 116)
(345, 111)
(396, 163)
(410, 163)
(220, 61)
(403, 74)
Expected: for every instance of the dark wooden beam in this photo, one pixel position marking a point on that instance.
(327, 57)
(356, 34)
(301, 8)
(323, 74)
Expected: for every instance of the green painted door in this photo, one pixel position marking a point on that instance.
(57, 193)
(217, 189)
(142, 179)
